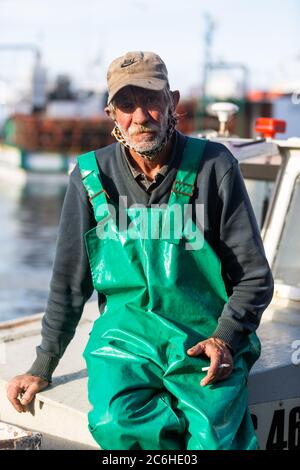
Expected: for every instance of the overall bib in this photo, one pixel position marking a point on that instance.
(162, 297)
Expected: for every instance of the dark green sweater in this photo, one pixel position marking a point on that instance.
(229, 226)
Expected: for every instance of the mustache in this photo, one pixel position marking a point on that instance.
(139, 129)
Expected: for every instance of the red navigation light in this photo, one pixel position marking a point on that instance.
(269, 126)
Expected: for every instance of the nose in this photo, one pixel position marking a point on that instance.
(140, 115)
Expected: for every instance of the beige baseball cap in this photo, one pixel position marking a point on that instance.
(142, 69)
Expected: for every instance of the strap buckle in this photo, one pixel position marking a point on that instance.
(99, 192)
(191, 188)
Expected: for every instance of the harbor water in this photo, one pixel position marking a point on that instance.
(29, 214)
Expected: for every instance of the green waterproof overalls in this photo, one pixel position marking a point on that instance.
(161, 299)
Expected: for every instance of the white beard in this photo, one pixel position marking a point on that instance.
(147, 145)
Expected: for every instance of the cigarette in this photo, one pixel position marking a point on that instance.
(220, 366)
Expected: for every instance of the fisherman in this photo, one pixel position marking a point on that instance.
(187, 297)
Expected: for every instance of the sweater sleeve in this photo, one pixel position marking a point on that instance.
(71, 283)
(245, 269)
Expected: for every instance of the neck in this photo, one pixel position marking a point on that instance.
(151, 167)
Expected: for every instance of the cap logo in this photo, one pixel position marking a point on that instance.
(128, 62)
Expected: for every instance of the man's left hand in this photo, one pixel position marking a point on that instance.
(218, 353)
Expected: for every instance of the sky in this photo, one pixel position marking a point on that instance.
(81, 37)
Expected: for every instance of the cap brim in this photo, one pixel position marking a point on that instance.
(156, 84)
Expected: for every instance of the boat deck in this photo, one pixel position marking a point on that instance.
(59, 412)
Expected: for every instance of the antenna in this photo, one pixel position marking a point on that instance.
(223, 111)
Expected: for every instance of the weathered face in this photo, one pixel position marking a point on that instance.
(142, 117)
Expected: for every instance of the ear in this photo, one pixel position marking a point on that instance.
(108, 112)
(176, 97)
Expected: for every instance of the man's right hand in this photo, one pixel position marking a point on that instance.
(22, 389)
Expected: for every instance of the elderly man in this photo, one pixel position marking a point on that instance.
(185, 296)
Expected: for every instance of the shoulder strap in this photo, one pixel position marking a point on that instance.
(90, 175)
(184, 184)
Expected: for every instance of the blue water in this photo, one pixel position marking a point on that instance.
(29, 217)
